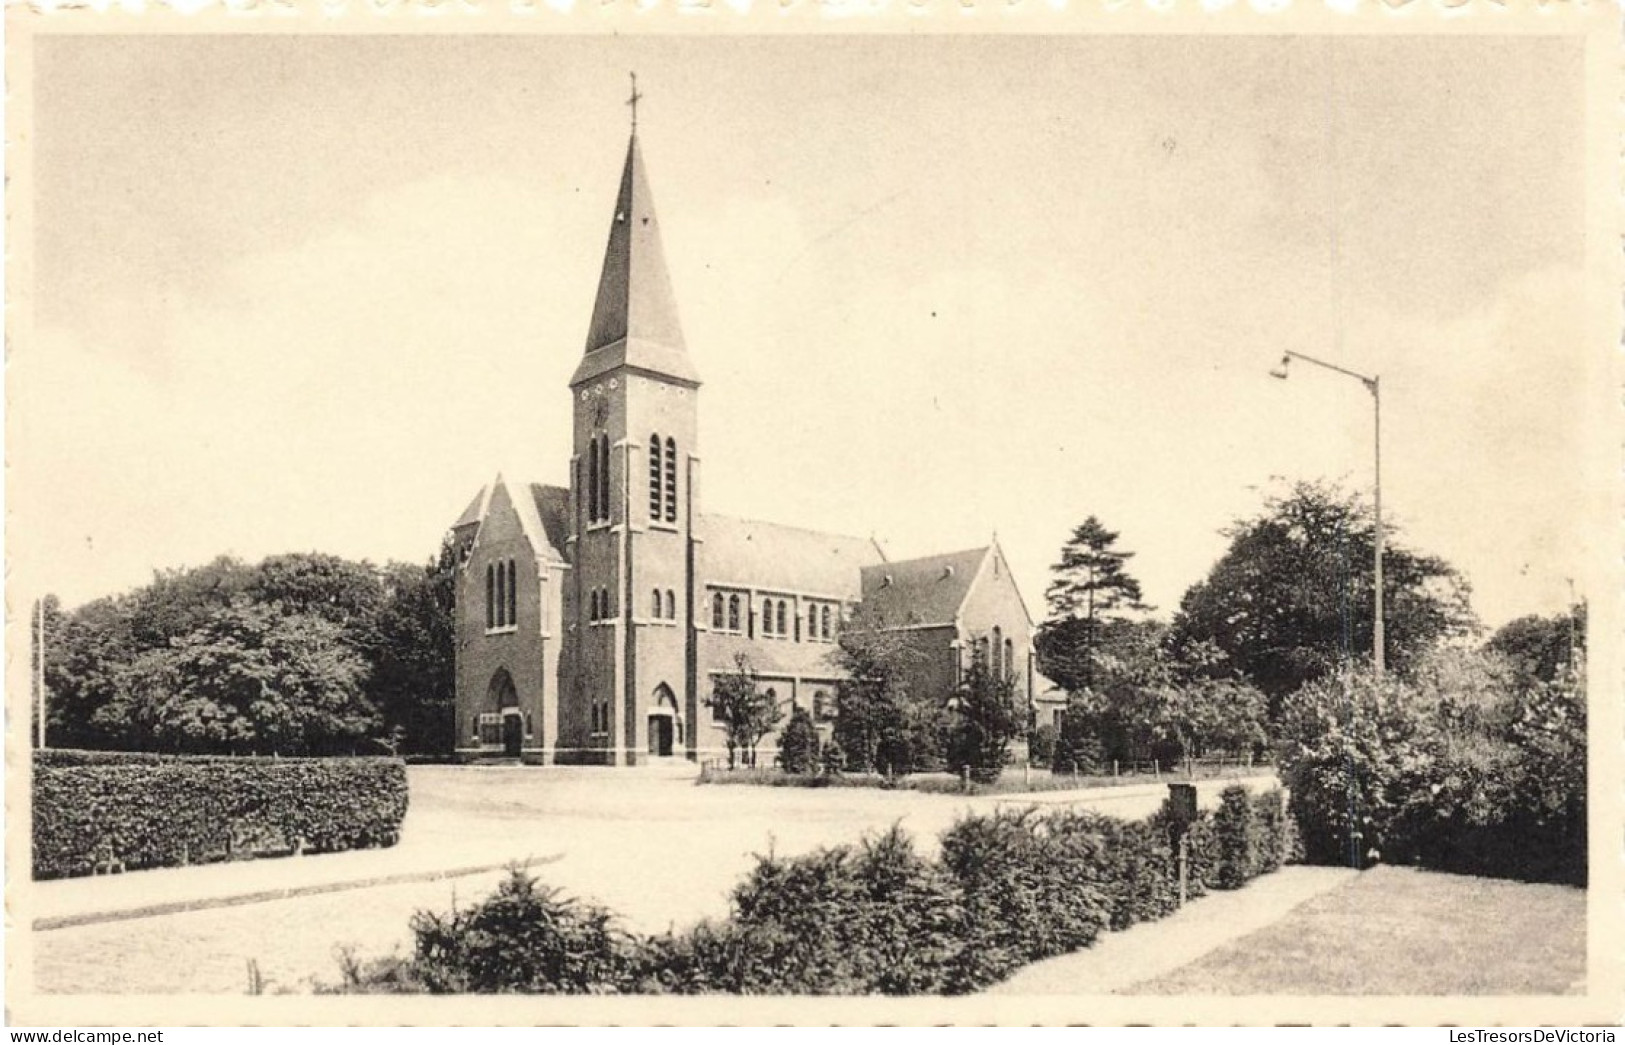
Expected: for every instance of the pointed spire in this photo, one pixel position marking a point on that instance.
(634, 321)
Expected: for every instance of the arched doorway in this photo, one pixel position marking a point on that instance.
(665, 723)
(509, 723)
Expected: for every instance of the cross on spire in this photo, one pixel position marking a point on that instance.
(633, 102)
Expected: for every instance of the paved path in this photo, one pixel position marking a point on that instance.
(1119, 961)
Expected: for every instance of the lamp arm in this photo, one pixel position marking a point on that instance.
(1369, 382)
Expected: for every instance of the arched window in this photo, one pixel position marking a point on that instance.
(716, 611)
(513, 595)
(502, 595)
(997, 665)
(1009, 657)
(654, 477)
(658, 605)
(671, 480)
(490, 597)
(609, 603)
(603, 478)
(812, 621)
(781, 627)
(592, 604)
(671, 604)
(823, 624)
(820, 708)
(767, 616)
(733, 613)
(772, 697)
(593, 468)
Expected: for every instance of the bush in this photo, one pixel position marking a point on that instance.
(1236, 836)
(876, 918)
(524, 938)
(1026, 889)
(1041, 745)
(115, 810)
(1455, 769)
(798, 744)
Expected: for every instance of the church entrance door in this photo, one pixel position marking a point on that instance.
(660, 735)
(513, 729)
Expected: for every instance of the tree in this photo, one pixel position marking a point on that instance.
(249, 680)
(798, 745)
(1092, 587)
(985, 720)
(1291, 599)
(337, 590)
(412, 649)
(1540, 649)
(879, 724)
(746, 713)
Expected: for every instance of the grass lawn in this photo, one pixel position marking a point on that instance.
(1397, 931)
(1013, 781)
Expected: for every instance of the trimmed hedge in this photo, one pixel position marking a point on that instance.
(106, 810)
(1011, 887)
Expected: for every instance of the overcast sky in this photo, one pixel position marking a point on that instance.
(301, 293)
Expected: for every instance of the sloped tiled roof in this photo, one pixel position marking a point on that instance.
(788, 558)
(475, 510)
(543, 514)
(921, 591)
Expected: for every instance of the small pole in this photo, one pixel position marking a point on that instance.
(1184, 868)
(1114, 769)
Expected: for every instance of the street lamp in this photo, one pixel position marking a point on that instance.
(1371, 385)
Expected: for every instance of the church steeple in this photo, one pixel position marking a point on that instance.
(634, 320)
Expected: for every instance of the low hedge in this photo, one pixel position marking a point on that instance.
(1009, 888)
(106, 811)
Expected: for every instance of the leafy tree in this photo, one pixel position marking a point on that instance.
(1092, 587)
(1540, 649)
(985, 720)
(879, 724)
(412, 649)
(248, 680)
(798, 745)
(746, 713)
(178, 601)
(1291, 599)
(337, 590)
(1077, 743)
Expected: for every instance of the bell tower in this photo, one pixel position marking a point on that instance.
(629, 672)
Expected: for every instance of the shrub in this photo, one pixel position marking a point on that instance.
(1026, 890)
(798, 744)
(525, 938)
(95, 810)
(1077, 748)
(1236, 835)
(1041, 745)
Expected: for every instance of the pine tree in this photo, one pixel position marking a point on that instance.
(1092, 589)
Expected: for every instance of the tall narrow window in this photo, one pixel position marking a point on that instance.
(812, 620)
(767, 616)
(671, 604)
(592, 605)
(502, 595)
(1009, 657)
(654, 477)
(490, 597)
(603, 478)
(733, 613)
(716, 611)
(998, 652)
(513, 595)
(671, 480)
(780, 626)
(593, 468)
(655, 612)
(823, 623)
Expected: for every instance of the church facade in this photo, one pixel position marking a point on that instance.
(593, 618)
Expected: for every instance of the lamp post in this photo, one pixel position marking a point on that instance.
(1372, 385)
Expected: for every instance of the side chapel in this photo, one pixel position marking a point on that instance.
(591, 619)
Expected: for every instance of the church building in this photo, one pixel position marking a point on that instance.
(593, 618)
